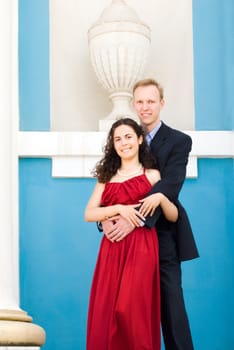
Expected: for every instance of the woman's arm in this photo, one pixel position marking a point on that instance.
(169, 209)
(94, 211)
(151, 202)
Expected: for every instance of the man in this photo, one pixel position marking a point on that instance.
(176, 243)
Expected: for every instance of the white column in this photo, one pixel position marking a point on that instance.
(16, 328)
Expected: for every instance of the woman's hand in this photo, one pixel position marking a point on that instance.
(132, 215)
(150, 203)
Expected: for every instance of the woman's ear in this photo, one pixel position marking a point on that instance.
(140, 140)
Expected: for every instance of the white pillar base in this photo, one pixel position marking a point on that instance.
(17, 329)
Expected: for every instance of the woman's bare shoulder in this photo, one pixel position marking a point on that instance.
(153, 175)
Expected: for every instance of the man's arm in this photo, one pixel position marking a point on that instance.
(174, 170)
(172, 176)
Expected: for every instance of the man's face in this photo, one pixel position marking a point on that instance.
(148, 105)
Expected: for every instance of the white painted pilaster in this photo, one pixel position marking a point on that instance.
(8, 175)
(15, 325)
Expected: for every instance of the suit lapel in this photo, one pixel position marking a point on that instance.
(160, 137)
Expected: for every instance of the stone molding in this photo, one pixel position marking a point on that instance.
(74, 154)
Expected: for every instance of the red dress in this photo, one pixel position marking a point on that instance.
(124, 307)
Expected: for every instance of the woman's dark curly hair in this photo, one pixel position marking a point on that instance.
(110, 163)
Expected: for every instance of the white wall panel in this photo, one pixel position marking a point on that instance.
(78, 101)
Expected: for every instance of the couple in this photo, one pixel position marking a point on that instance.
(145, 229)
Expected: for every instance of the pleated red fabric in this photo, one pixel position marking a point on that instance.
(124, 307)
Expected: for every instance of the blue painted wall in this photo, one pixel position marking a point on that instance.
(209, 280)
(213, 32)
(34, 93)
(58, 253)
(58, 249)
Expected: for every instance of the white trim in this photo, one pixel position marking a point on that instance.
(74, 154)
(9, 274)
(15, 128)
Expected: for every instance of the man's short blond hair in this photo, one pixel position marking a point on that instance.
(147, 82)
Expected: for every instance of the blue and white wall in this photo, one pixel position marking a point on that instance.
(58, 249)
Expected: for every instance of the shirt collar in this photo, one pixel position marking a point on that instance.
(152, 133)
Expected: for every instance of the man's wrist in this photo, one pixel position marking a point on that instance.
(99, 226)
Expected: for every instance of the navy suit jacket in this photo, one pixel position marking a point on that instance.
(171, 149)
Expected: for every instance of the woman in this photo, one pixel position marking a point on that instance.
(124, 309)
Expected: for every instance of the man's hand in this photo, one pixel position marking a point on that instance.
(117, 228)
(149, 204)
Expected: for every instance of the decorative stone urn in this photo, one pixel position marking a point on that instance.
(119, 45)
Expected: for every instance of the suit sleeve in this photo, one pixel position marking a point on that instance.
(173, 174)
(174, 171)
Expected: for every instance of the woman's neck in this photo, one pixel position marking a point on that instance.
(129, 169)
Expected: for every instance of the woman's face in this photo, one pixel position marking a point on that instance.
(126, 142)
